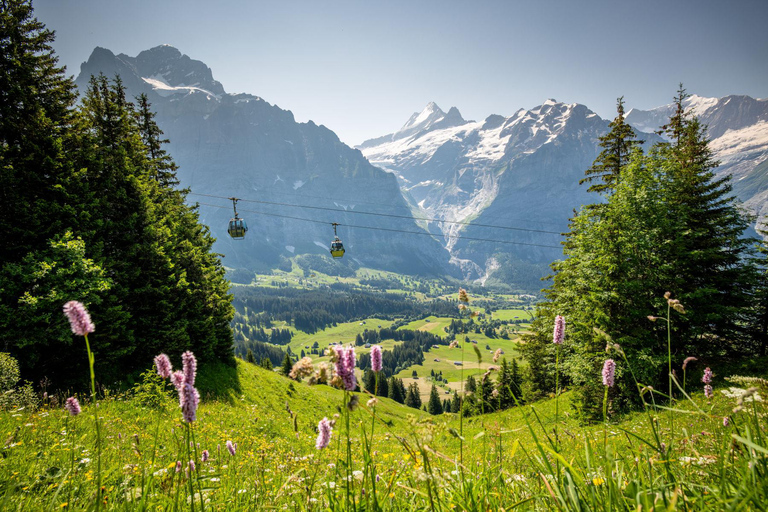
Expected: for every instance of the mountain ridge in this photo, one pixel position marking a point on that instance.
(241, 145)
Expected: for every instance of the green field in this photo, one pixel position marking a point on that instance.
(524, 458)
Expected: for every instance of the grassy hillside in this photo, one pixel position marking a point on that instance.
(531, 457)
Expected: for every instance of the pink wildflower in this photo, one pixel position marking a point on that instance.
(323, 434)
(205, 456)
(726, 421)
(163, 365)
(708, 391)
(376, 358)
(177, 378)
(191, 466)
(232, 448)
(73, 406)
(189, 365)
(707, 378)
(345, 366)
(189, 399)
(79, 319)
(688, 360)
(609, 368)
(178, 466)
(559, 333)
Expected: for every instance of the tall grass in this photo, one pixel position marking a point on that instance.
(388, 457)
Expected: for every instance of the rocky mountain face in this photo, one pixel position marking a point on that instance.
(520, 172)
(240, 145)
(523, 172)
(738, 129)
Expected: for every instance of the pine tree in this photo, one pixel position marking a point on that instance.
(471, 384)
(249, 357)
(434, 406)
(394, 391)
(369, 380)
(668, 225)
(287, 365)
(617, 146)
(505, 386)
(383, 385)
(455, 403)
(266, 363)
(412, 396)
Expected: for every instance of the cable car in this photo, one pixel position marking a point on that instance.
(237, 226)
(337, 248)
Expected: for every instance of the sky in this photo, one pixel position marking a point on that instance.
(363, 67)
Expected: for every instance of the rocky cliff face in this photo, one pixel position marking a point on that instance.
(240, 145)
(519, 172)
(523, 172)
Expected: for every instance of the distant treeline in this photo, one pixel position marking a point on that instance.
(314, 310)
(411, 352)
(260, 351)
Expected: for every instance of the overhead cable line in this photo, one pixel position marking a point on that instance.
(390, 215)
(457, 237)
(357, 201)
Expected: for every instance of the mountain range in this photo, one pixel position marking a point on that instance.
(494, 195)
(239, 145)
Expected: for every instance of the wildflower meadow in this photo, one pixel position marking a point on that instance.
(284, 444)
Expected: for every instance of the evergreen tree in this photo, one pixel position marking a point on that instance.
(505, 386)
(249, 357)
(617, 146)
(471, 384)
(455, 403)
(394, 391)
(383, 385)
(287, 365)
(668, 225)
(412, 396)
(369, 381)
(434, 406)
(266, 363)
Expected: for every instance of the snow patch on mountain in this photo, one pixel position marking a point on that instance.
(161, 87)
(740, 142)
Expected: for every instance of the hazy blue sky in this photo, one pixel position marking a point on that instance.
(363, 67)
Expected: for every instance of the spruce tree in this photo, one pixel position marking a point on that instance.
(287, 365)
(455, 403)
(434, 405)
(617, 146)
(412, 396)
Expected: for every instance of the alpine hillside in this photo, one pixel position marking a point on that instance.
(240, 145)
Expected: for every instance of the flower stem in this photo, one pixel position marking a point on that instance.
(96, 419)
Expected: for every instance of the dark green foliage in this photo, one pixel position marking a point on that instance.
(412, 397)
(89, 212)
(314, 310)
(287, 365)
(455, 403)
(508, 385)
(13, 395)
(152, 390)
(266, 363)
(471, 384)
(668, 225)
(434, 406)
(396, 390)
(617, 146)
(250, 357)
